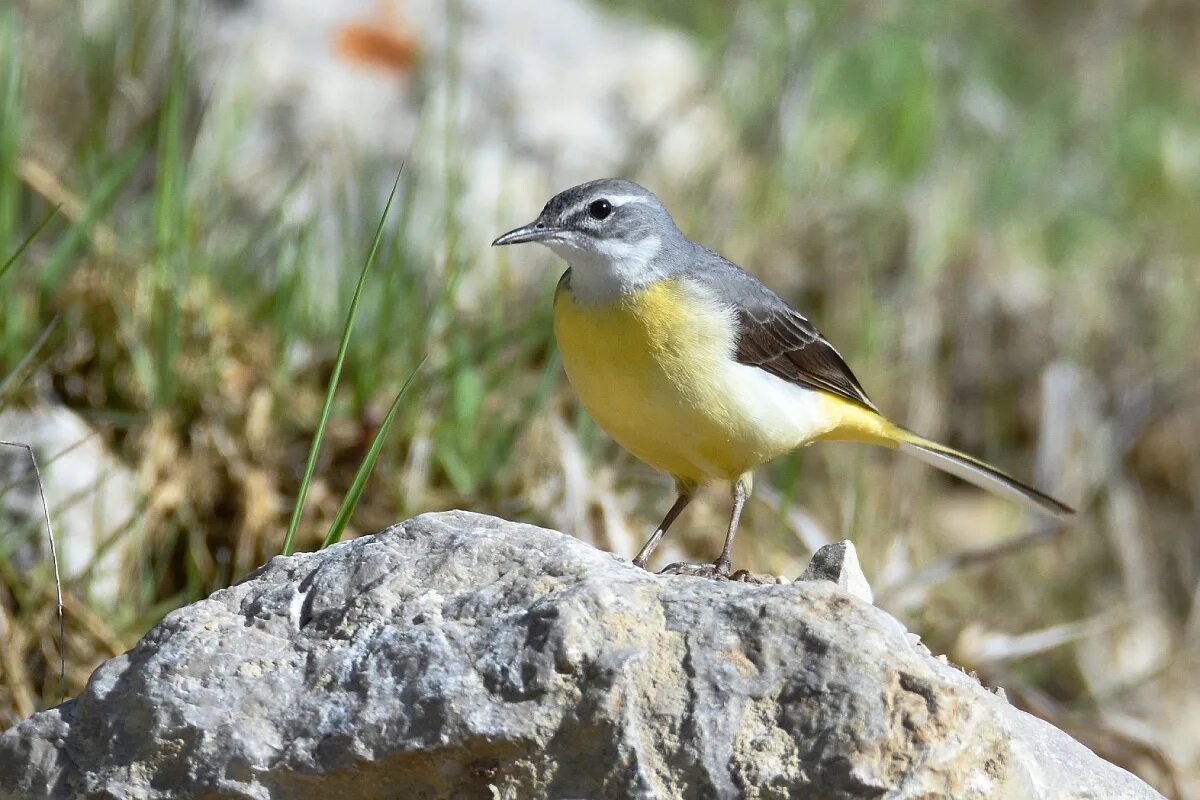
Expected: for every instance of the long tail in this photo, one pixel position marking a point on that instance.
(856, 423)
(972, 470)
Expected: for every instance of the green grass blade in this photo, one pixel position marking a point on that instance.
(315, 448)
(16, 377)
(170, 213)
(109, 185)
(10, 131)
(29, 240)
(350, 501)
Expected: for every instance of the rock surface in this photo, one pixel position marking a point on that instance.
(838, 562)
(93, 499)
(458, 655)
(522, 98)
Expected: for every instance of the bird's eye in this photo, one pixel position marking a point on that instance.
(599, 209)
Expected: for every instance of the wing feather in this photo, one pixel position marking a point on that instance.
(784, 343)
(771, 334)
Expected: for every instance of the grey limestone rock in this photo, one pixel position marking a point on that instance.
(92, 496)
(838, 562)
(483, 80)
(461, 656)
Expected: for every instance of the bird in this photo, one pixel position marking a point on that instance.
(696, 367)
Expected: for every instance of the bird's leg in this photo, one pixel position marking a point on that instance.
(685, 497)
(720, 568)
(725, 560)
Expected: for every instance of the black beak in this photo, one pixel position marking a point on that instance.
(533, 232)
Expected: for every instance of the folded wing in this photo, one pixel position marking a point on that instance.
(775, 337)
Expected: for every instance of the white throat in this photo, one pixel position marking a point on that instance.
(607, 268)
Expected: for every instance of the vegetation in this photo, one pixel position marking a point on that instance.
(990, 208)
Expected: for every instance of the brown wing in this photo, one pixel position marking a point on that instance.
(775, 337)
(772, 335)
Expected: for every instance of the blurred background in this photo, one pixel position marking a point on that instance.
(992, 208)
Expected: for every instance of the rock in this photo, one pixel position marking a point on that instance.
(838, 562)
(521, 99)
(91, 495)
(458, 655)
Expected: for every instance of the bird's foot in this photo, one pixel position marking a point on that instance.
(718, 571)
(713, 570)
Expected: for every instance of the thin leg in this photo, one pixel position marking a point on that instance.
(740, 493)
(685, 497)
(720, 568)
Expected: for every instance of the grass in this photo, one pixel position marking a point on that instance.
(989, 209)
(311, 463)
(354, 493)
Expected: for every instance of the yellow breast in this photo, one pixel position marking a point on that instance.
(654, 369)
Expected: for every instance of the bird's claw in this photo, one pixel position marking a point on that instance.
(717, 571)
(713, 570)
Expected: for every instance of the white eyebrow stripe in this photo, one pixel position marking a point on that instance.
(622, 199)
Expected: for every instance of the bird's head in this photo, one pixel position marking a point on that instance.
(611, 231)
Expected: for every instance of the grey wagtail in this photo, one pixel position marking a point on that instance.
(695, 366)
